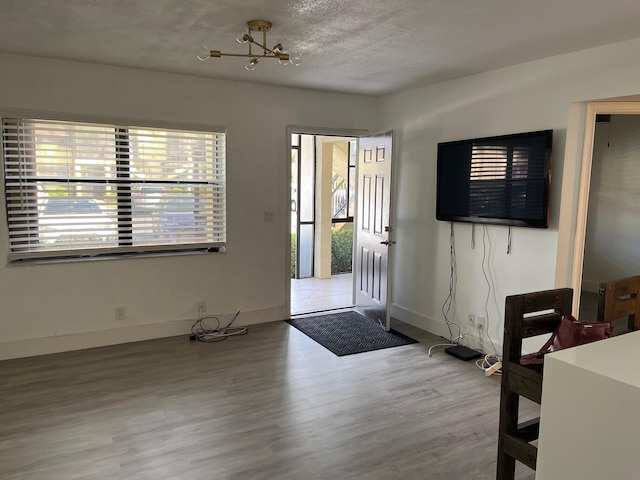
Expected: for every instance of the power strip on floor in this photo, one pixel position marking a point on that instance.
(492, 369)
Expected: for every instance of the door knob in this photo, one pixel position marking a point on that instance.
(387, 242)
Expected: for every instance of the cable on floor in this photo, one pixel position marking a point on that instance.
(491, 364)
(202, 331)
(455, 342)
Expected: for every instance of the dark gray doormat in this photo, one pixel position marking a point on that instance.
(346, 333)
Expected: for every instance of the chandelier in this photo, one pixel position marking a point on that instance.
(257, 51)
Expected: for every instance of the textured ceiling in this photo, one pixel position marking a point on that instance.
(357, 46)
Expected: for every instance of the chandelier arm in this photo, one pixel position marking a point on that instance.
(264, 39)
(246, 55)
(253, 26)
(263, 47)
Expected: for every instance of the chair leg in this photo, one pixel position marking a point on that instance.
(506, 467)
(509, 406)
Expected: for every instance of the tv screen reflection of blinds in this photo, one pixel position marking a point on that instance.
(500, 180)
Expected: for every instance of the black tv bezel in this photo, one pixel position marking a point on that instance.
(514, 222)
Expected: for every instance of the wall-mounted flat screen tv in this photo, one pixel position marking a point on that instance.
(500, 180)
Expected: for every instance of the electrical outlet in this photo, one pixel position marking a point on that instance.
(480, 321)
(121, 313)
(472, 319)
(202, 307)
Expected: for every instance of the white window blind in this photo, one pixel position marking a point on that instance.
(507, 180)
(76, 189)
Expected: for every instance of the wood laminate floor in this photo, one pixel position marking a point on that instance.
(270, 405)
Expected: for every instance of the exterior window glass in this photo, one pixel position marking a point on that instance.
(83, 189)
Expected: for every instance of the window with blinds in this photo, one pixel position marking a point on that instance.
(85, 189)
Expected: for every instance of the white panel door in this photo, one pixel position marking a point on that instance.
(373, 230)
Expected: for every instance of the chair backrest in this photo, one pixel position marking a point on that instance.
(619, 299)
(527, 315)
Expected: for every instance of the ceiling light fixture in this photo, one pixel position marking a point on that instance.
(278, 51)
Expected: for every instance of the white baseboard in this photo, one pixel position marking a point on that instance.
(438, 327)
(419, 320)
(135, 333)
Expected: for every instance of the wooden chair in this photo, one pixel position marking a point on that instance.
(523, 319)
(619, 299)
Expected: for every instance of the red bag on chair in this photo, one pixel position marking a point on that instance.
(570, 333)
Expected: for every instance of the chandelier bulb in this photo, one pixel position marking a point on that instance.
(279, 47)
(243, 36)
(251, 64)
(203, 53)
(295, 58)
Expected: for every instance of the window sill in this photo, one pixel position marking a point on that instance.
(116, 256)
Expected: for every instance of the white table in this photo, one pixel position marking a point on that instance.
(590, 413)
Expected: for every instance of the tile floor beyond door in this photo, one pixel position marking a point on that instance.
(315, 294)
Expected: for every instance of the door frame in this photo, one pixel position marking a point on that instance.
(575, 193)
(290, 130)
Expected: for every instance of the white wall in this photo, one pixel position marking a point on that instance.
(612, 249)
(62, 306)
(71, 305)
(532, 96)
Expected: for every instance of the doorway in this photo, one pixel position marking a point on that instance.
(572, 230)
(322, 213)
(612, 229)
